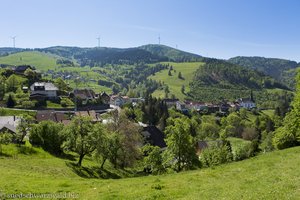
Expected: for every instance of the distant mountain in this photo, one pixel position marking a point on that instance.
(277, 68)
(4, 51)
(171, 53)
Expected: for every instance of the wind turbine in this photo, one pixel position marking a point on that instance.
(159, 39)
(98, 38)
(14, 41)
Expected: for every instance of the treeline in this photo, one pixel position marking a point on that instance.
(98, 56)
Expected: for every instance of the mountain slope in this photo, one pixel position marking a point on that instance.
(273, 175)
(271, 66)
(170, 53)
(218, 79)
(40, 60)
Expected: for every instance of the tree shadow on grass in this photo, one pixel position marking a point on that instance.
(92, 172)
(5, 155)
(67, 156)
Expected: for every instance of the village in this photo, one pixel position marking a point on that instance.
(87, 103)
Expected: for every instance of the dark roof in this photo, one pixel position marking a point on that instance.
(170, 100)
(89, 113)
(22, 68)
(103, 94)
(155, 136)
(51, 115)
(84, 93)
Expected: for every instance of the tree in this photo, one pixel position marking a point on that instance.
(289, 134)
(5, 138)
(12, 83)
(183, 89)
(23, 127)
(153, 161)
(180, 144)
(47, 135)
(32, 76)
(180, 75)
(80, 137)
(10, 103)
(126, 141)
(104, 145)
(2, 87)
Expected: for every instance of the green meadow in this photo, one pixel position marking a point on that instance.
(272, 175)
(187, 70)
(41, 61)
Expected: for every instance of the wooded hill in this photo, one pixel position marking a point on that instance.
(280, 69)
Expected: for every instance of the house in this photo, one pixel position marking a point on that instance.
(50, 115)
(200, 146)
(181, 106)
(85, 95)
(105, 98)
(44, 90)
(118, 100)
(90, 113)
(170, 102)
(154, 136)
(194, 105)
(8, 124)
(247, 103)
(22, 68)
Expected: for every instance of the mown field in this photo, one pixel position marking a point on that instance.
(41, 61)
(187, 70)
(273, 175)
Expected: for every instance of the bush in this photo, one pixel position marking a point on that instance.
(65, 102)
(47, 135)
(215, 155)
(266, 144)
(243, 152)
(284, 139)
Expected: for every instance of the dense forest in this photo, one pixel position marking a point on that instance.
(277, 68)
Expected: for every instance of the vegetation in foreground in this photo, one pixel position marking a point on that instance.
(270, 176)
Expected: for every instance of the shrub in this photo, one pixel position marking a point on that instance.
(283, 139)
(215, 155)
(47, 135)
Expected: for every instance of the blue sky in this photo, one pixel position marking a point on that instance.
(214, 28)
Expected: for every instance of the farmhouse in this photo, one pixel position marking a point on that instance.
(105, 98)
(22, 68)
(247, 103)
(90, 113)
(85, 95)
(8, 124)
(154, 136)
(43, 90)
(118, 100)
(50, 115)
(170, 102)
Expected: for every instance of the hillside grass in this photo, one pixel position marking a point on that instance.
(41, 61)
(187, 70)
(270, 176)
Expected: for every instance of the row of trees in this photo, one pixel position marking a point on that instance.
(117, 142)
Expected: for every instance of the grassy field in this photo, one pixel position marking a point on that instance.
(270, 176)
(187, 70)
(10, 112)
(41, 61)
